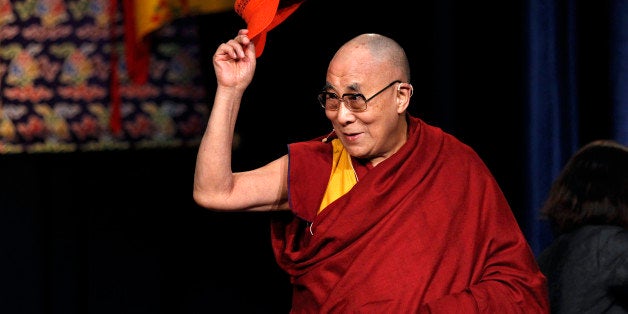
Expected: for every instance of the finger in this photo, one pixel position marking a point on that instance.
(238, 47)
(243, 39)
(227, 50)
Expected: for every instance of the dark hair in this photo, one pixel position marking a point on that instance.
(592, 188)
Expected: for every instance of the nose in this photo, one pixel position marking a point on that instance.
(344, 115)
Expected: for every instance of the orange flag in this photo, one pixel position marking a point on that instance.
(140, 18)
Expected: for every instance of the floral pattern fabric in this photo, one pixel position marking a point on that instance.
(56, 74)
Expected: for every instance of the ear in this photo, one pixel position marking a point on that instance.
(404, 92)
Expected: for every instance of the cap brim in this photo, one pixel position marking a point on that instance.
(263, 16)
(259, 41)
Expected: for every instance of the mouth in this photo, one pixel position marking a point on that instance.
(351, 136)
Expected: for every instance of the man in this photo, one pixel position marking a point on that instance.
(390, 214)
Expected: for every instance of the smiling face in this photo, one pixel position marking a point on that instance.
(360, 67)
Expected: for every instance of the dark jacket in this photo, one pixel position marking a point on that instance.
(587, 270)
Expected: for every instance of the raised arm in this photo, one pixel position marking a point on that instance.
(215, 185)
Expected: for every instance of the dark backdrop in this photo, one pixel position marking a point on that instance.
(118, 232)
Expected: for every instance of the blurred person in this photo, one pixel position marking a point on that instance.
(587, 263)
(388, 214)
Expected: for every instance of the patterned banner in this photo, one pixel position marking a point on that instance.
(56, 74)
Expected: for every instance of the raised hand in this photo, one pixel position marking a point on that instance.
(234, 61)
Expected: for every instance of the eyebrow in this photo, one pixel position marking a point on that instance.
(354, 87)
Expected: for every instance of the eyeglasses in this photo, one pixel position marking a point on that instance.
(355, 102)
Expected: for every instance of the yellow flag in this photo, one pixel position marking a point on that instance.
(151, 15)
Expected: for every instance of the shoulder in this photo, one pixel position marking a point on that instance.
(447, 141)
(614, 240)
(311, 149)
(604, 241)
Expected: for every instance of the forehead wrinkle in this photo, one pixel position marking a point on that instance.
(358, 73)
(353, 64)
(354, 87)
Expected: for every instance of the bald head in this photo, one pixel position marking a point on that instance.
(377, 50)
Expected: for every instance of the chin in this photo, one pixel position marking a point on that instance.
(357, 153)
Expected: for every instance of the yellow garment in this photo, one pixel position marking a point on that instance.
(153, 14)
(343, 176)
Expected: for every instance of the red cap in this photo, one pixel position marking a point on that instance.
(263, 15)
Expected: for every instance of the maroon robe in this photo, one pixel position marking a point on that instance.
(428, 230)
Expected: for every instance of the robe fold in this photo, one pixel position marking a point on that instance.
(427, 230)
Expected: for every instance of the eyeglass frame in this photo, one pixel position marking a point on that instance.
(322, 97)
